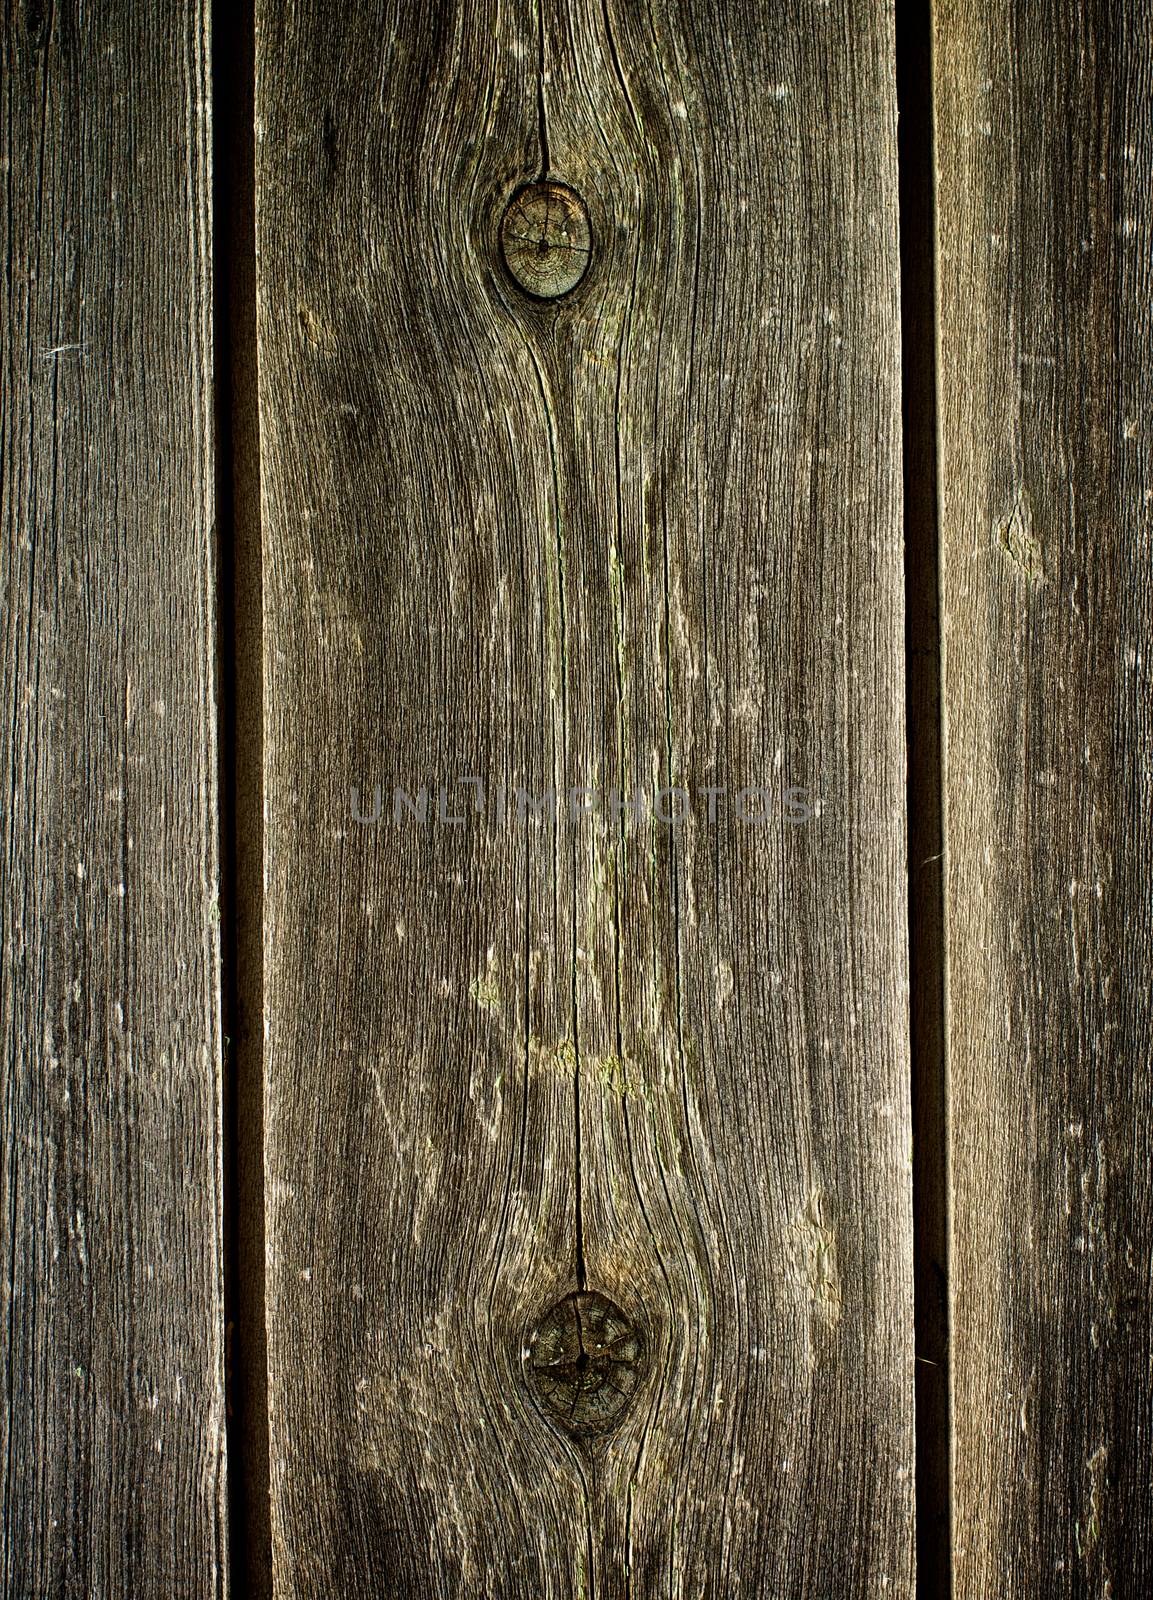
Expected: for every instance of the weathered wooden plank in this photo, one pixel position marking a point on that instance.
(111, 1340)
(1045, 149)
(647, 535)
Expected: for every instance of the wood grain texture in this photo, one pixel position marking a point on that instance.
(111, 1339)
(647, 535)
(1045, 150)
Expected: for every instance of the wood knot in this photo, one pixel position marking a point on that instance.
(586, 1359)
(546, 240)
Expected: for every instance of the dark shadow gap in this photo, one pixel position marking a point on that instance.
(239, 557)
(925, 798)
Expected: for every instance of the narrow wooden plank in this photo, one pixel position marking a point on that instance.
(1045, 149)
(111, 1339)
(643, 536)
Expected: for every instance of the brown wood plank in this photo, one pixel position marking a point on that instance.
(1045, 149)
(111, 1338)
(647, 535)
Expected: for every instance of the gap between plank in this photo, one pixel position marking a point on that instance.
(925, 827)
(241, 676)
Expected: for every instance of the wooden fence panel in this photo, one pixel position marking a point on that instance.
(111, 1341)
(1045, 150)
(644, 534)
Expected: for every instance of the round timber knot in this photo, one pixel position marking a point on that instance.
(586, 1359)
(546, 240)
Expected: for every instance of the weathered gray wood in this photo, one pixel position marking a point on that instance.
(1045, 150)
(648, 534)
(111, 1339)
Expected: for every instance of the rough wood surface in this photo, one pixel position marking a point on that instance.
(112, 1455)
(643, 535)
(1045, 150)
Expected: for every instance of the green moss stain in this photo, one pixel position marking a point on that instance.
(819, 1242)
(486, 993)
(1018, 540)
(612, 1074)
(1087, 1531)
(486, 990)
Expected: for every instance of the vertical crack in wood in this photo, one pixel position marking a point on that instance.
(578, 1215)
(541, 112)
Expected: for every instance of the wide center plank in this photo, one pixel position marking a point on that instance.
(639, 538)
